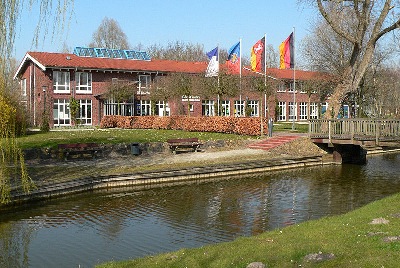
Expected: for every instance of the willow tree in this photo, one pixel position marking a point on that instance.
(362, 24)
(12, 164)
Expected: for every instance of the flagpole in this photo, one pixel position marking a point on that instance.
(294, 79)
(265, 74)
(240, 76)
(218, 79)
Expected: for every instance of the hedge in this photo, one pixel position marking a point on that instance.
(234, 125)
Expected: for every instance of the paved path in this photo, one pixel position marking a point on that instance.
(273, 142)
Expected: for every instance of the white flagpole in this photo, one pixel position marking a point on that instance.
(294, 80)
(218, 79)
(265, 74)
(240, 76)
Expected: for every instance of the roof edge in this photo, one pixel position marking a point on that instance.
(25, 60)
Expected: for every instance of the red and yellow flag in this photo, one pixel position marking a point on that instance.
(258, 56)
(286, 52)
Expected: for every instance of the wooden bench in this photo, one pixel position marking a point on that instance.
(80, 149)
(191, 144)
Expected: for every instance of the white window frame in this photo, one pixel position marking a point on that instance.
(61, 112)
(253, 104)
(282, 111)
(83, 82)
(226, 108)
(303, 110)
(208, 108)
(281, 87)
(145, 106)
(23, 87)
(292, 110)
(62, 86)
(85, 112)
(239, 108)
(143, 85)
(314, 110)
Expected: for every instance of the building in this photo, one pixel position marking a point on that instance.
(50, 81)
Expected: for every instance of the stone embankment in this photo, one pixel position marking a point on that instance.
(157, 166)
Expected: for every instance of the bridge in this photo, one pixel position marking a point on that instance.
(347, 139)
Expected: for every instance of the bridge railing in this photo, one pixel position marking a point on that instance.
(355, 129)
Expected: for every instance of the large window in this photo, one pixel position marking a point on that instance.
(303, 110)
(292, 111)
(83, 82)
(239, 108)
(85, 112)
(144, 84)
(282, 111)
(313, 110)
(111, 107)
(208, 108)
(226, 108)
(61, 114)
(253, 108)
(162, 108)
(61, 82)
(143, 107)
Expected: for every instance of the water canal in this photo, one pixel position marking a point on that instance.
(87, 229)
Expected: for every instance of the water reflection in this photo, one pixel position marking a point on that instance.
(90, 228)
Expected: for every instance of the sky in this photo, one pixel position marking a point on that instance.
(206, 22)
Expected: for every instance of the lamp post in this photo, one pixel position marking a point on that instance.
(44, 98)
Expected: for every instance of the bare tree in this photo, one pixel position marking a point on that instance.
(362, 24)
(178, 50)
(109, 35)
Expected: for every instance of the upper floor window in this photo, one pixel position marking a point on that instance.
(83, 82)
(144, 82)
(61, 82)
(23, 87)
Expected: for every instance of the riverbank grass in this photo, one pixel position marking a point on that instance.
(366, 237)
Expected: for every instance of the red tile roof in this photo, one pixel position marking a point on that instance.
(67, 61)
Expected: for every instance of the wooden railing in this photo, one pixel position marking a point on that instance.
(355, 129)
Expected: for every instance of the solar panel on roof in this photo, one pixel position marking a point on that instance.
(111, 53)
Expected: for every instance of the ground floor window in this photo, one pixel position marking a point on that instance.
(162, 108)
(114, 108)
(292, 111)
(303, 110)
(313, 110)
(85, 112)
(253, 108)
(143, 107)
(208, 108)
(239, 108)
(225, 108)
(282, 111)
(61, 113)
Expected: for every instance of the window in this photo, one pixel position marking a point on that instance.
(313, 110)
(23, 87)
(208, 108)
(162, 108)
(61, 114)
(85, 112)
(281, 87)
(239, 108)
(282, 111)
(303, 110)
(253, 107)
(143, 107)
(226, 108)
(291, 87)
(144, 83)
(292, 111)
(61, 82)
(83, 82)
(111, 107)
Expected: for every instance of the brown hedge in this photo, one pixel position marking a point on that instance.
(236, 125)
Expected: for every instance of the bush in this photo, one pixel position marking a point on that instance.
(232, 125)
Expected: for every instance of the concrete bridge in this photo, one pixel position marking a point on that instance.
(348, 139)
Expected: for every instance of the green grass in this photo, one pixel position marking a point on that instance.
(114, 136)
(350, 237)
(287, 126)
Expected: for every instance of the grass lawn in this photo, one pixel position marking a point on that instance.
(37, 139)
(352, 239)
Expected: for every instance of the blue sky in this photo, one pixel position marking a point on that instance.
(207, 22)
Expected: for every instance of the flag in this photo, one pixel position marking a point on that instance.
(286, 52)
(233, 61)
(258, 56)
(213, 65)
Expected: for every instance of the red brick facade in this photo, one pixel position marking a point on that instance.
(44, 92)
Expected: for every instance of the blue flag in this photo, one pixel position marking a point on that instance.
(213, 65)
(233, 61)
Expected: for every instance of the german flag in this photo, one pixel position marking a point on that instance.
(258, 56)
(286, 52)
